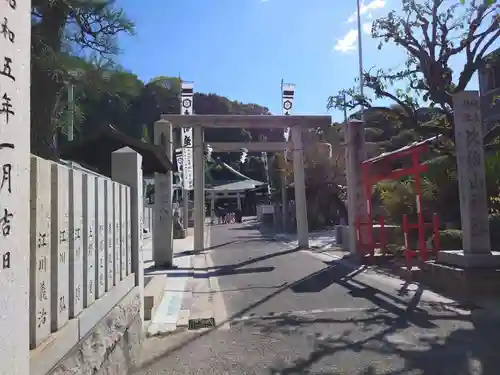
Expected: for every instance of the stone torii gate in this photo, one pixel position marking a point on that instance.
(295, 123)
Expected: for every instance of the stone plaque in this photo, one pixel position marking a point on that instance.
(16, 317)
(60, 246)
(471, 175)
(123, 232)
(89, 239)
(116, 220)
(75, 243)
(110, 261)
(100, 211)
(41, 242)
(129, 230)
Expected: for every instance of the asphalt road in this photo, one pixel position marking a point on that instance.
(294, 312)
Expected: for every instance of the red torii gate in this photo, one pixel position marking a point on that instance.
(381, 168)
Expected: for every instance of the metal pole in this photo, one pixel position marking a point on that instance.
(360, 57)
(345, 111)
(71, 111)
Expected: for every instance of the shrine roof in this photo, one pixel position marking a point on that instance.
(238, 186)
(95, 151)
(401, 152)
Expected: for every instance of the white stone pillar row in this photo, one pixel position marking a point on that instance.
(355, 153)
(126, 168)
(199, 188)
(300, 187)
(163, 239)
(15, 47)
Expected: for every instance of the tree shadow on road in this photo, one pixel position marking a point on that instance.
(462, 352)
(471, 349)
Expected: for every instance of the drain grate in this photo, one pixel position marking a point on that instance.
(200, 323)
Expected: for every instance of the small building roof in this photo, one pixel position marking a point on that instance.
(238, 186)
(95, 152)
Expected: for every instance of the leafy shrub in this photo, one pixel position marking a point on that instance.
(449, 239)
(494, 221)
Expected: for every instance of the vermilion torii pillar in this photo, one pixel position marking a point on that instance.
(296, 123)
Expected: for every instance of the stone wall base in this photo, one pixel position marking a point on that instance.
(463, 284)
(112, 347)
(463, 260)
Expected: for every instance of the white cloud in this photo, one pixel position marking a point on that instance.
(367, 8)
(348, 42)
(367, 27)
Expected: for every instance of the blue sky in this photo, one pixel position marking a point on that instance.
(243, 48)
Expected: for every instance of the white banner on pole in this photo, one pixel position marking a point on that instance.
(287, 96)
(178, 159)
(187, 136)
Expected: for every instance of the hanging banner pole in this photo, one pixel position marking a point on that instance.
(287, 96)
(187, 94)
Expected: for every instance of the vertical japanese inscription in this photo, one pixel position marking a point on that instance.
(123, 232)
(89, 239)
(110, 262)
(41, 244)
(128, 221)
(116, 231)
(75, 242)
(101, 239)
(470, 163)
(60, 245)
(17, 238)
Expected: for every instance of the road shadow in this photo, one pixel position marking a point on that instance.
(462, 352)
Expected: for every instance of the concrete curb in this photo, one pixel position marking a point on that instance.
(184, 313)
(219, 306)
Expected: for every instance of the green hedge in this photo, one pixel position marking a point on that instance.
(494, 221)
(449, 239)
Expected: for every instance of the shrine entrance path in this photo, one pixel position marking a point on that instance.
(297, 312)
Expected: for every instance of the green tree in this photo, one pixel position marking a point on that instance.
(61, 28)
(432, 34)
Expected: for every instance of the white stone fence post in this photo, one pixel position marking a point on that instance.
(84, 250)
(126, 168)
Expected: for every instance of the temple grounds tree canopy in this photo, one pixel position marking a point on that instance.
(61, 28)
(432, 33)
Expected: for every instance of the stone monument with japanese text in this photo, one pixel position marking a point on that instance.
(14, 185)
(472, 186)
(163, 209)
